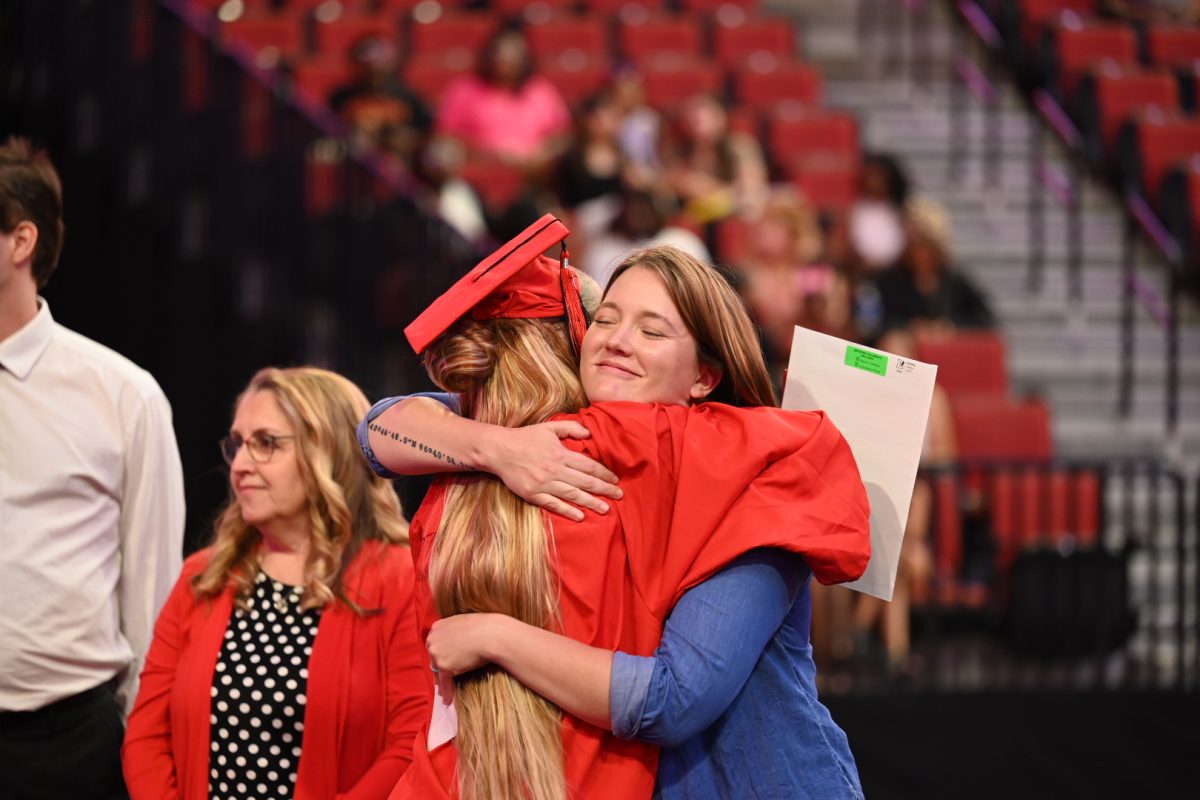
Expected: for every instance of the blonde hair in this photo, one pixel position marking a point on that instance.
(493, 552)
(348, 504)
(716, 317)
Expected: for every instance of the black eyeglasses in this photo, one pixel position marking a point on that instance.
(261, 446)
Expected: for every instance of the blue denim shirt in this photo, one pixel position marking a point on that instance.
(731, 693)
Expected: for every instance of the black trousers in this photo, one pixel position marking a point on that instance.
(69, 750)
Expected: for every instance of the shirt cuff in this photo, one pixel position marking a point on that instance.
(365, 426)
(629, 686)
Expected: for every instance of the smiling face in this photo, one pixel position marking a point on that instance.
(272, 494)
(639, 349)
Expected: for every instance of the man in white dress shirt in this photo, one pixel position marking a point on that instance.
(91, 516)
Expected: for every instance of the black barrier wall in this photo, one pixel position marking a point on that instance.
(213, 227)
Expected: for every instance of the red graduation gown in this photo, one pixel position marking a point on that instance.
(702, 485)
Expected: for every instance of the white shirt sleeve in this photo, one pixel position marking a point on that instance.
(151, 530)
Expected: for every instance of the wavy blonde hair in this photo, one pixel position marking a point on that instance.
(493, 552)
(348, 504)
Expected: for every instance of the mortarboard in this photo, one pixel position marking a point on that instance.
(514, 282)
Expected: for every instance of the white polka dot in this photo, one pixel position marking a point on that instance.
(233, 746)
(289, 649)
(247, 681)
(291, 684)
(224, 734)
(292, 777)
(266, 709)
(231, 773)
(262, 788)
(214, 746)
(235, 693)
(289, 711)
(304, 673)
(269, 683)
(255, 722)
(221, 761)
(244, 708)
(296, 629)
(295, 752)
(272, 775)
(241, 787)
(241, 761)
(251, 774)
(220, 667)
(308, 651)
(275, 751)
(297, 661)
(282, 671)
(301, 699)
(284, 763)
(235, 656)
(263, 764)
(233, 720)
(243, 735)
(276, 629)
(253, 748)
(266, 736)
(239, 669)
(226, 680)
(212, 719)
(224, 786)
(299, 726)
(277, 723)
(213, 692)
(278, 697)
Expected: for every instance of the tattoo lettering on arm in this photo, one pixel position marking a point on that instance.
(413, 443)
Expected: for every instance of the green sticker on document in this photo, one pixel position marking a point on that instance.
(866, 360)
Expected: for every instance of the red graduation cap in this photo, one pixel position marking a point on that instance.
(514, 282)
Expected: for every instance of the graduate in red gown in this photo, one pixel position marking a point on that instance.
(703, 483)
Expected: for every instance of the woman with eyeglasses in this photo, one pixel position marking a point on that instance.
(286, 661)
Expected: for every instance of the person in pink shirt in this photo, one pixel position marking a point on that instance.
(505, 110)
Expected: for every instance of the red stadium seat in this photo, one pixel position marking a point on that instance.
(704, 6)
(1120, 93)
(498, 184)
(1031, 15)
(566, 35)
(429, 75)
(997, 428)
(786, 84)
(282, 34)
(319, 77)
(819, 133)
(828, 185)
(969, 363)
(1078, 50)
(1159, 141)
(576, 78)
(450, 32)
(670, 83)
(734, 44)
(624, 7)
(1169, 44)
(532, 10)
(660, 36)
(338, 36)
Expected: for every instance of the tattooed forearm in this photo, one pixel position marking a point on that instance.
(413, 443)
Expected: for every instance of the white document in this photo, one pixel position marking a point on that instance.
(443, 724)
(880, 403)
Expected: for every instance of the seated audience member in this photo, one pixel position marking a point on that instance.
(714, 171)
(381, 111)
(286, 662)
(916, 557)
(876, 220)
(641, 221)
(641, 125)
(505, 110)
(438, 166)
(923, 291)
(779, 270)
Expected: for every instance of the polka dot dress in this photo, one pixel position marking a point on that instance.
(259, 695)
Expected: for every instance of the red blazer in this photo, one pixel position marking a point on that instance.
(368, 688)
